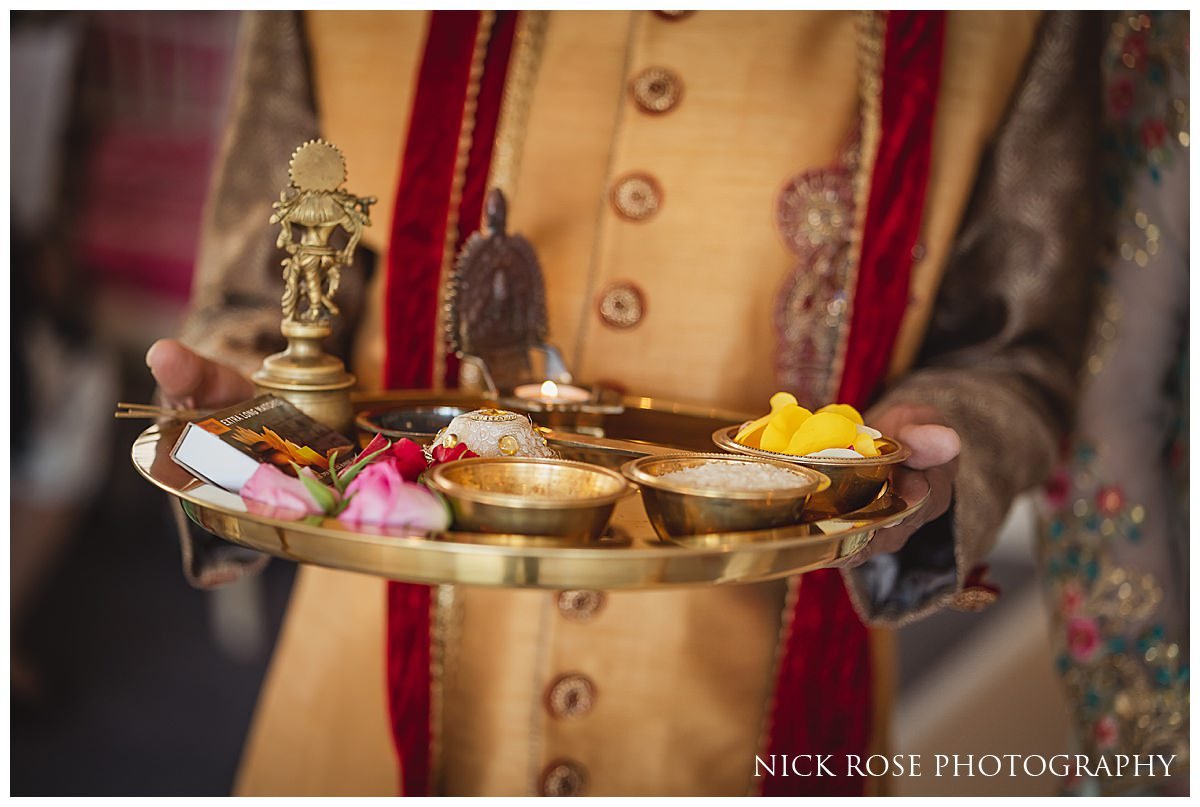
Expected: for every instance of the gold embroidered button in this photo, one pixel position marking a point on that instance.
(563, 777)
(622, 305)
(580, 605)
(570, 695)
(656, 90)
(636, 196)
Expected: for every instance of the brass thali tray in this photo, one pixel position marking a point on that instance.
(629, 556)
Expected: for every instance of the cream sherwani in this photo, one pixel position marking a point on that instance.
(665, 692)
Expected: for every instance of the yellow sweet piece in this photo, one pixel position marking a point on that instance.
(782, 425)
(865, 444)
(774, 439)
(790, 417)
(751, 433)
(845, 410)
(791, 429)
(821, 431)
(782, 399)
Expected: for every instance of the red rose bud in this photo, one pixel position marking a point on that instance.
(408, 458)
(459, 452)
(377, 442)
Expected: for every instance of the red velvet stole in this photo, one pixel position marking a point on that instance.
(414, 269)
(424, 196)
(823, 698)
(912, 69)
(823, 695)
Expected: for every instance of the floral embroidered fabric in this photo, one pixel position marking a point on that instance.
(1113, 550)
(815, 216)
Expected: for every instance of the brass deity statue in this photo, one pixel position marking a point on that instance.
(315, 202)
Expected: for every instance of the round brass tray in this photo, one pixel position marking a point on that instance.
(630, 555)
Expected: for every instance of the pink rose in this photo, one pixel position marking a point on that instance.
(380, 495)
(1083, 638)
(273, 492)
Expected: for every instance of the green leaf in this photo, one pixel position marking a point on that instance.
(339, 507)
(333, 472)
(322, 495)
(313, 521)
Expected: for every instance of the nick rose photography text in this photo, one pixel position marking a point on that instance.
(987, 765)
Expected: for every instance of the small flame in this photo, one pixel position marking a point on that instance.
(549, 389)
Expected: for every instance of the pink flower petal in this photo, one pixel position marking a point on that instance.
(380, 495)
(272, 487)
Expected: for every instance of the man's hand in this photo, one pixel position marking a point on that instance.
(188, 380)
(935, 449)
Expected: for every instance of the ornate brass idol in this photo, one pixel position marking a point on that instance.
(316, 204)
(495, 310)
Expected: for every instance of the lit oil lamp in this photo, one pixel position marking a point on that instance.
(550, 393)
(564, 406)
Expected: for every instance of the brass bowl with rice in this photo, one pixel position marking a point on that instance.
(693, 494)
(854, 483)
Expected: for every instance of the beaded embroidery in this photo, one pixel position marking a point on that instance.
(1127, 682)
(815, 216)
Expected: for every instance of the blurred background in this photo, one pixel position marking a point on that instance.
(124, 680)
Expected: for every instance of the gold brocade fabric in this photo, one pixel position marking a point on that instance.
(678, 703)
(321, 727)
(677, 682)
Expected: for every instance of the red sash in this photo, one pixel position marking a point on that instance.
(823, 692)
(823, 695)
(414, 269)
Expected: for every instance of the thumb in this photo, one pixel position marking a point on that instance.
(931, 444)
(178, 371)
(188, 379)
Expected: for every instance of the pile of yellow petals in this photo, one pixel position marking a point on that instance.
(791, 429)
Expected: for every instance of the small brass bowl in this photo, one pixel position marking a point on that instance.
(854, 482)
(526, 496)
(677, 510)
(414, 422)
